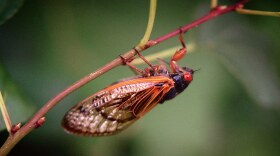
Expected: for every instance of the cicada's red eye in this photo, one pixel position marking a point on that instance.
(188, 76)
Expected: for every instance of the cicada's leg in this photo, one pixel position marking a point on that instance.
(146, 71)
(143, 58)
(179, 54)
(132, 67)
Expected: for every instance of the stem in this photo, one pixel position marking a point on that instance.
(5, 114)
(152, 14)
(12, 140)
(257, 12)
(213, 3)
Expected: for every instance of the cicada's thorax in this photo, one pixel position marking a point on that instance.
(180, 84)
(157, 70)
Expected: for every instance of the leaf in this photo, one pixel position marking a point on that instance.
(244, 52)
(19, 108)
(8, 8)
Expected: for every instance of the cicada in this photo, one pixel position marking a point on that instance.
(119, 105)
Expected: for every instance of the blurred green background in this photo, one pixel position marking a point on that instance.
(231, 108)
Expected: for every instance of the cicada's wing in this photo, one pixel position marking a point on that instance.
(115, 107)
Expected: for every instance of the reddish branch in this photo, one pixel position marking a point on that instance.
(219, 10)
(13, 139)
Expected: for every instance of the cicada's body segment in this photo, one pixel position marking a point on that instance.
(117, 106)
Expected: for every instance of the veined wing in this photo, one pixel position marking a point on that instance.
(116, 107)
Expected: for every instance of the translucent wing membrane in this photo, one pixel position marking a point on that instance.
(97, 121)
(116, 107)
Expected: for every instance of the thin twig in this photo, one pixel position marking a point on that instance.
(12, 140)
(213, 3)
(152, 14)
(5, 114)
(258, 12)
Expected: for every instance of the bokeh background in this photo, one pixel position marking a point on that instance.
(231, 108)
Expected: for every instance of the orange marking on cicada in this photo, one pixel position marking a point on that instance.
(151, 103)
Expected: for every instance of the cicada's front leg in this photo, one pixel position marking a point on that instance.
(179, 54)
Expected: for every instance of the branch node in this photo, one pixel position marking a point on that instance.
(150, 43)
(126, 60)
(40, 122)
(15, 128)
(240, 6)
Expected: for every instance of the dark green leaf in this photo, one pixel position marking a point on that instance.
(244, 53)
(8, 8)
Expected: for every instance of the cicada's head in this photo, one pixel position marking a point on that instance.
(182, 78)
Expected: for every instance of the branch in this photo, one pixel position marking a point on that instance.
(12, 140)
(219, 10)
